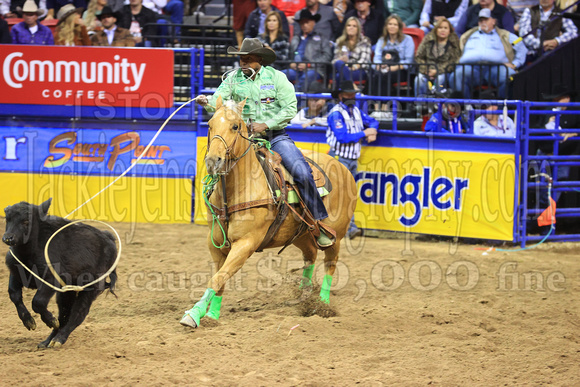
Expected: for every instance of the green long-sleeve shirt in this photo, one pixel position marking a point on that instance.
(271, 98)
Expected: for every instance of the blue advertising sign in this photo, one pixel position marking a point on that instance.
(104, 152)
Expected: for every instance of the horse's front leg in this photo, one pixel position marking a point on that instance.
(219, 258)
(240, 251)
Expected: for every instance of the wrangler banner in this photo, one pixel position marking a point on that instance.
(86, 76)
(453, 193)
(440, 192)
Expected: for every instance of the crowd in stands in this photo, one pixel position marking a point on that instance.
(432, 47)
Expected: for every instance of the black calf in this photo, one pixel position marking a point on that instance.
(79, 254)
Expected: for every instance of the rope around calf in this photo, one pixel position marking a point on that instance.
(76, 288)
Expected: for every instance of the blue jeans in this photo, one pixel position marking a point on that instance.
(464, 78)
(352, 166)
(421, 83)
(174, 9)
(294, 162)
(344, 73)
(302, 79)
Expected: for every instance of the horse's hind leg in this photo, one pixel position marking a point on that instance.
(330, 259)
(309, 253)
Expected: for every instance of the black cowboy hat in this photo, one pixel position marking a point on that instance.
(108, 11)
(558, 91)
(253, 46)
(307, 15)
(344, 87)
(316, 88)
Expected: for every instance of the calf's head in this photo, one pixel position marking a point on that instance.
(21, 220)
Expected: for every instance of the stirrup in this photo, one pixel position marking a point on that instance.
(324, 240)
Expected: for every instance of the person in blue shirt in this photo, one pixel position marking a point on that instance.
(491, 56)
(393, 53)
(347, 127)
(449, 118)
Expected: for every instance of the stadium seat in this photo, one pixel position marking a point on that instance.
(417, 34)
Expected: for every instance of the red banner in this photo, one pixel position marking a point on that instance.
(87, 76)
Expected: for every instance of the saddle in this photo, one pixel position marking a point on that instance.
(287, 198)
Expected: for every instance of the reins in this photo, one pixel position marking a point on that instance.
(210, 180)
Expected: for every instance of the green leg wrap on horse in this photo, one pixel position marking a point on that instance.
(307, 276)
(214, 308)
(325, 289)
(200, 308)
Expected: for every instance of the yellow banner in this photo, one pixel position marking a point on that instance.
(451, 193)
(131, 199)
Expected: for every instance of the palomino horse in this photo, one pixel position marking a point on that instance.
(230, 156)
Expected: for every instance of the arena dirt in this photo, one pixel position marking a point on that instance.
(402, 312)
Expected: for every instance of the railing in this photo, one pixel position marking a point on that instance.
(542, 168)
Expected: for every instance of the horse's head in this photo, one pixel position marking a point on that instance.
(226, 143)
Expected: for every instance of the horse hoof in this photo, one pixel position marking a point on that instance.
(188, 321)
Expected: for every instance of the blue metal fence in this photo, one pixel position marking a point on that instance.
(527, 164)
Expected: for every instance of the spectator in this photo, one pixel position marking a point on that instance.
(517, 8)
(339, 7)
(275, 38)
(30, 31)
(111, 34)
(371, 20)
(439, 48)
(493, 47)
(256, 24)
(90, 15)
(393, 52)
(352, 53)
(167, 11)
(328, 26)
(433, 10)
(449, 118)
(315, 113)
(70, 30)
(555, 30)
(53, 6)
(560, 94)
(308, 47)
(347, 127)
(5, 37)
(501, 14)
(290, 8)
(139, 20)
(242, 9)
(14, 8)
(494, 123)
(408, 10)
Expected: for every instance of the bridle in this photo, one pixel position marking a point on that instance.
(230, 158)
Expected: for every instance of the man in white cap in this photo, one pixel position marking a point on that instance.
(30, 31)
(485, 49)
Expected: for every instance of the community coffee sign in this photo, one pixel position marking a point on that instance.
(88, 76)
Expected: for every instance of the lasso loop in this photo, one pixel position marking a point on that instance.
(65, 287)
(209, 182)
